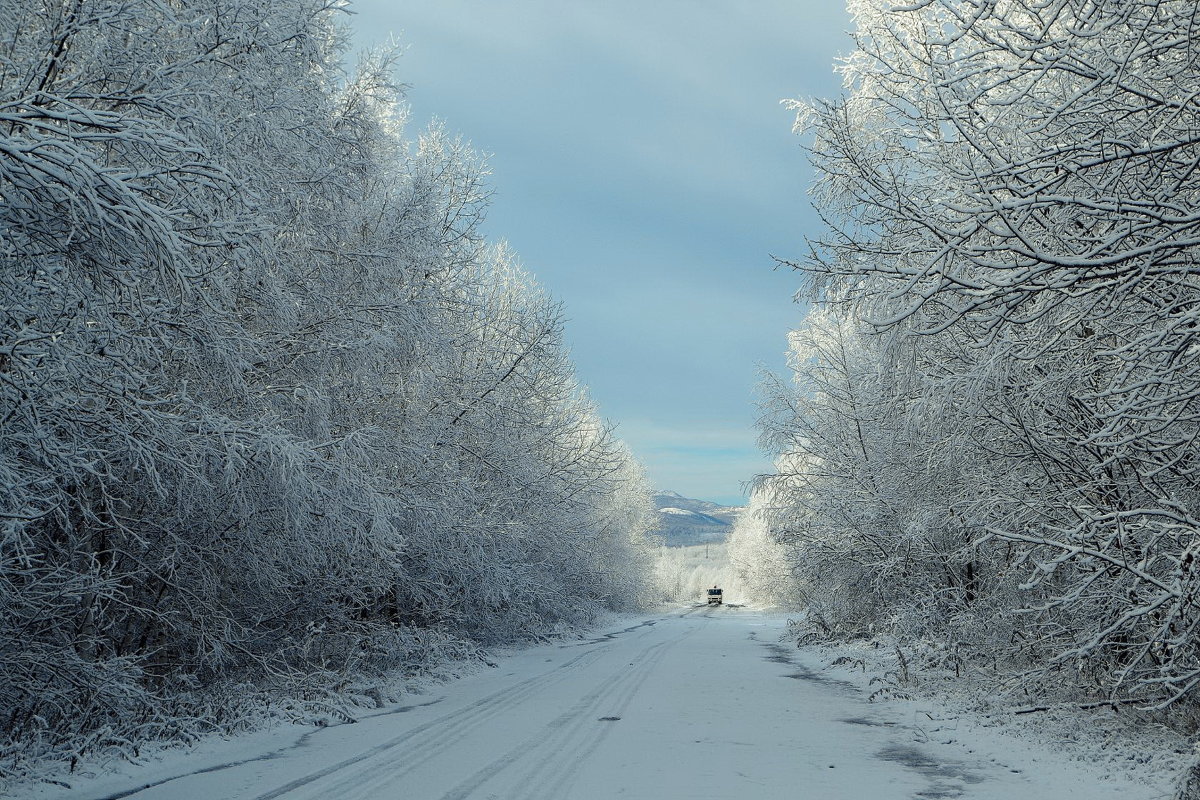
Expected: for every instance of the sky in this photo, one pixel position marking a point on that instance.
(645, 172)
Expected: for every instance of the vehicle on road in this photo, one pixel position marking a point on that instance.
(715, 596)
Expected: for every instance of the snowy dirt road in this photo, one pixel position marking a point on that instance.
(698, 703)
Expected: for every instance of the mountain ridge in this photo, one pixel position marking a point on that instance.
(685, 521)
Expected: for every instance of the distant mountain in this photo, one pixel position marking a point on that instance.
(685, 521)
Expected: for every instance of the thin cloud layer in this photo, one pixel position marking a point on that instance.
(645, 172)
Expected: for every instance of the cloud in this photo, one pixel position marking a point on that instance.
(644, 171)
(697, 460)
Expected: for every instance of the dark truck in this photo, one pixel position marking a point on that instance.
(714, 596)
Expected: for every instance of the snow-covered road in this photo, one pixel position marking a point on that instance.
(698, 703)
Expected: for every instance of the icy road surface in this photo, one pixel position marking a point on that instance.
(700, 704)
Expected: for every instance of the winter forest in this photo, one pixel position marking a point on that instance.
(991, 446)
(274, 416)
(278, 423)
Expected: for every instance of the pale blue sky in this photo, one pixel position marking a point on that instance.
(645, 172)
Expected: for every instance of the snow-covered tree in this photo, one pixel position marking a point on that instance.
(1009, 189)
(271, 409)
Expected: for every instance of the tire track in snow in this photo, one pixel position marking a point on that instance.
(270, 756)
(428, 738)
(560, 766)
(560, 750)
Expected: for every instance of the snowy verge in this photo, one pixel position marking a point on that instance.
(969, 708)
(281, 723)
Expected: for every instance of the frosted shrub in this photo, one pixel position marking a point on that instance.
(273, 415)
(995, 408)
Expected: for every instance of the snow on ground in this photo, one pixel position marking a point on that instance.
(970, 710)
(693, 703)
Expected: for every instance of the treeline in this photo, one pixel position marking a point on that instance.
(272, 413)
(993, 439)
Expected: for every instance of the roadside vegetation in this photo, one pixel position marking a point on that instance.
(275, 420)
(991, 445)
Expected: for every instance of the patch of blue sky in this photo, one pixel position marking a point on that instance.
(645, 172)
